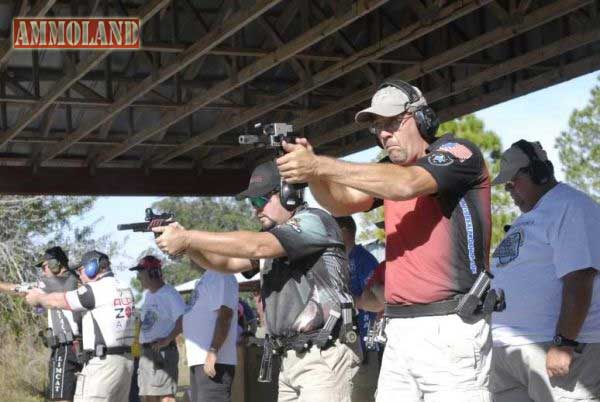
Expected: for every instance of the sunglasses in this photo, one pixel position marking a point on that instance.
(259, 202)
(390, 125)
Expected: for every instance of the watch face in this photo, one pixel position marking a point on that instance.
(557, 340)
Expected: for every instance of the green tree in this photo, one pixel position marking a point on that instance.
(579, 146)
(473, 129)
(206, 213)
(27, 226)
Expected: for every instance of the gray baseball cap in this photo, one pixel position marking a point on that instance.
(390, 101)
(265, 178)
(515, 159)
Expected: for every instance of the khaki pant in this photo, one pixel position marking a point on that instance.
(318, 375)
(436, 359)
(106, 379)
(519, 375)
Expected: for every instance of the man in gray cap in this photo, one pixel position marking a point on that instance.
(107, 328)
(62, 336)
(304, 287)
(547, 341)
(436, 198)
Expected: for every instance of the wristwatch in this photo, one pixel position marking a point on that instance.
(560, 340)
(214, 350)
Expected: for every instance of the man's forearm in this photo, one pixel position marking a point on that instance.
(369, 301)
(379, 180)
(177, 329)
(55, 300)
(8, 288)
(219, 263)
(221, 327)
(577, 294)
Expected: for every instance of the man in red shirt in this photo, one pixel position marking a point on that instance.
(436, 198)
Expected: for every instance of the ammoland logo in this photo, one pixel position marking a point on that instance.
(76, 33)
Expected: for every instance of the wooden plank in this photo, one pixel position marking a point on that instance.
(248, 73)
(208, 41)
(69, 79)
(359, 59)
(21, 180)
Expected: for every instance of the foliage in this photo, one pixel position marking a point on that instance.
(208, 214)
(26, 226)
(473, 129)
(579, 146)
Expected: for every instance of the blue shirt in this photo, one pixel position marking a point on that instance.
(362, 266)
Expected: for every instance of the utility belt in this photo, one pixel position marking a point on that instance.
(335, 328)
(53, 341)
(102, 351)
(475, 304)
(171, 345)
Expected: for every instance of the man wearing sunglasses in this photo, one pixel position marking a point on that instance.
(107, 328)
(436, 198)
(62, 334)
(304, 287)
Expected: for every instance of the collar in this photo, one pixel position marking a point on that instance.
(441, 140)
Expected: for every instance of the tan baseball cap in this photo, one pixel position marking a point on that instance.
(390, 101)
(515, 159)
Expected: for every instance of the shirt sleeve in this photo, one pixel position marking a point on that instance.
(456, 166)
(575, 243)
(81, 299)
(177, 305)
(305, 234)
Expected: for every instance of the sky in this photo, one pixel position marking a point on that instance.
(539, 116)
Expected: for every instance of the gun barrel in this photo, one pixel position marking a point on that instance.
(136, 227)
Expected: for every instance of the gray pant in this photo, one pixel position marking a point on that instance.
(318, 375)
(158, 372)
(215, 389)
(519, 375)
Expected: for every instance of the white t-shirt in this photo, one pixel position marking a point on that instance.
(212, 291)
(561, 234)
(110, 305)
(159, 312)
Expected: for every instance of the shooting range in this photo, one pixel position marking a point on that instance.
(165, 119)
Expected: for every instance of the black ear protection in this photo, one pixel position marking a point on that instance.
(425, 118)
(538, 170)
(291, 196)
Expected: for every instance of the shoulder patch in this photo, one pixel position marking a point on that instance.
(294, 224)
(459, 151)
(439, 159)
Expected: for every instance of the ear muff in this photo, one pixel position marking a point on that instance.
(291, 196)
(91, 268)
(425, 118)
(54, 266)
(538, 170)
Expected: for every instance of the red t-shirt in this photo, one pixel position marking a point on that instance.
(436, 245)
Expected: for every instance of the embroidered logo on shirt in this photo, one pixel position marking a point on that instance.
(460, 152)
(439, 159)
(294, 224)
(508, 249)
(149, 319)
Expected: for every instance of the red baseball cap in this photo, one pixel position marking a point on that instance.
(148, 262)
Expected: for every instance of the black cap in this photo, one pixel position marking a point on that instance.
(93, 255)
(148, 262)
(54, 253)
(265, 178)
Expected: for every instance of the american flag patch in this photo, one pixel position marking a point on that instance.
(460, 152)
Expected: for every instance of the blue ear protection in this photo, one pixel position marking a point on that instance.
(92, 267)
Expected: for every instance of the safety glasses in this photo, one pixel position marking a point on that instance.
(259, 202)
(390, 125)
